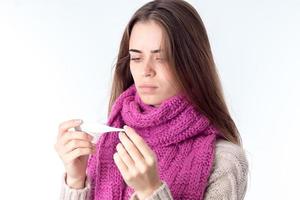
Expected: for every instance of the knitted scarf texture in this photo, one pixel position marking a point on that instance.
(182, 138)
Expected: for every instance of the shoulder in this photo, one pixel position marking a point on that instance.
(229, 172)
(229, 156)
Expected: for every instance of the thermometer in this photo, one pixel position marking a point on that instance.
(96, 129)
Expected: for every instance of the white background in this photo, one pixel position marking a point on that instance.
(56, 60)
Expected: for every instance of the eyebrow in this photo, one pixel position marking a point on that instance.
(139, 51)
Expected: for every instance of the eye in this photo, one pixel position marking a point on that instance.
(159, 59)
(135, 59)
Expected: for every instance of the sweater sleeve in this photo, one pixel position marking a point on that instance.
(228, 179)
(68, 193)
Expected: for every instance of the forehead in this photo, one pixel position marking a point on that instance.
(146, 36)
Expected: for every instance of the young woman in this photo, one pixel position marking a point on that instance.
(179, 141)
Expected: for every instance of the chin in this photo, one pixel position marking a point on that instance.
(150, 101)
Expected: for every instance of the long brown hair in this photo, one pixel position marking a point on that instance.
(190, 57)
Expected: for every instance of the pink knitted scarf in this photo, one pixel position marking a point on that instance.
(182, 139)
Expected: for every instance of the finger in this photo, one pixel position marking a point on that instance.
(123, 154)
(75, 135)
(74, 144)
(76, 153)
(131, 148)
(63, 127)
(62, 150)
(139, 142)
(121, 165)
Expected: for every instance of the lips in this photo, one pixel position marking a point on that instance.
(147, 88)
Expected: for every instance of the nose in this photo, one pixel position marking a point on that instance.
(148, 70)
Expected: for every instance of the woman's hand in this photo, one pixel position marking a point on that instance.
(73, 147)
(137, 163)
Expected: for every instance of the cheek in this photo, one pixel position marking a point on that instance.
(167, 76)
(170, 82)
(133, 72)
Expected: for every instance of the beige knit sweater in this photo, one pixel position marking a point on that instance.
(228, 180)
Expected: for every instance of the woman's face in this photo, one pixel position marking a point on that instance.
(148, 65)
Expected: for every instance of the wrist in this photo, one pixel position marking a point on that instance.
(148, 192)
(75, 183)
